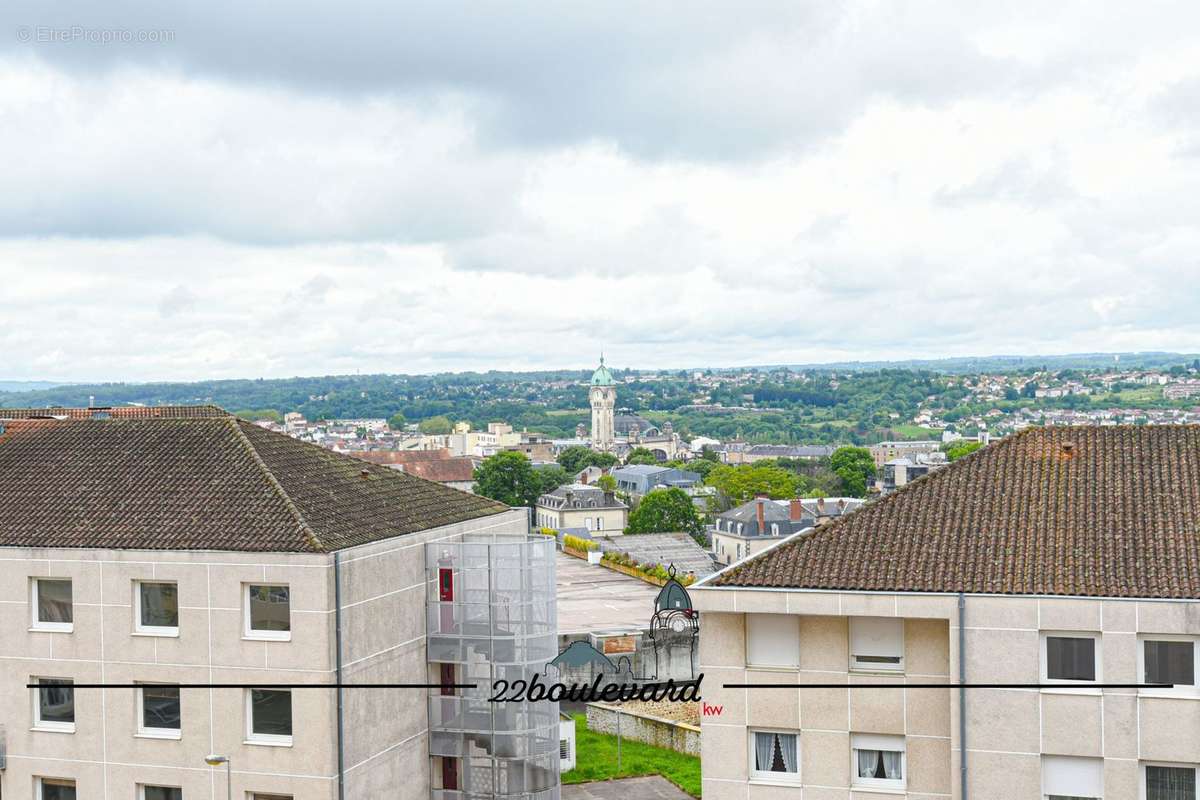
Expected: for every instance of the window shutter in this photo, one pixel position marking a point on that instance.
(876, 636)
(1072, 777)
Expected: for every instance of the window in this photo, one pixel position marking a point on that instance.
(269, 716)
(1070, 658)
(774, 528)
(1169, 659)
(1170, 783)
(52, 609)
(774, 756)
(877, 762)
(55, 789)
(772, 640)
(599, 523)
(157, 608)
(54, 705)
(1071, 778)
(161, 793)
(261, 796)
(876, 644)
(268, 612)
(159, 712)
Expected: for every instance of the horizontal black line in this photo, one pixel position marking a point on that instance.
(263, 685)
(947, 685)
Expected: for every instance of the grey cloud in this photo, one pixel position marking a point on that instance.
(708, 80)
(176, 301)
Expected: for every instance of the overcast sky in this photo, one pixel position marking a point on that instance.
(265, 189)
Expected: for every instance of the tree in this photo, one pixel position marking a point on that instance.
(577, 457)
(855, 466)
(607, 482)
(435, 425)
(665, 511)
(552, 477)
(508, 477)
(741, 482)
(397, 421)
(640, 455)
(957, 450)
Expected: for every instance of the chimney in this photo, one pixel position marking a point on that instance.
(795, 510)
(820, 506)
(762, 520)
(841, 505)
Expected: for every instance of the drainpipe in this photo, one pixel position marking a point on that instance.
(962, 692)
(337, 639)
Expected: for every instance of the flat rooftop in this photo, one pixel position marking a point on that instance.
(595, 598)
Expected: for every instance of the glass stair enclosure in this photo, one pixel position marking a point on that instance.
(491, 616)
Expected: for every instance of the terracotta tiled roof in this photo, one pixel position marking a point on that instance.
(457, 470)
(401, 456)
(1091, 511)
(203, 483)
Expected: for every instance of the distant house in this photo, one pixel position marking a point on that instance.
(638, 479)
(439, 466)
(581, 506)
(742, 453)
(885, 451)
(748, 528)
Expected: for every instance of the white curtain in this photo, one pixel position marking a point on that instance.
(867, 760)
(787, 747)
(891, 764)
(763, 745)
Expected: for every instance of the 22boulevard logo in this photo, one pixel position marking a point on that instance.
(674, 629)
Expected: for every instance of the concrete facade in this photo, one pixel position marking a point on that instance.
(383, 587)
(1010, 732)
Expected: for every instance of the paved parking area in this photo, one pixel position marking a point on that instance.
(593, 598)
(651, 787)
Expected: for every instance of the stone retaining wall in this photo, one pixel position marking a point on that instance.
(678, 736)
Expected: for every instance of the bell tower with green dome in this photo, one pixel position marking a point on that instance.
(603, 397)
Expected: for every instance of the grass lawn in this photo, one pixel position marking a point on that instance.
(596, 760)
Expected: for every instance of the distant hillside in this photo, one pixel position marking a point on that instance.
(26, 386)
(976, 364)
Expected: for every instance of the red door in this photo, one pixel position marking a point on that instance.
(446, 595)
(449, 773)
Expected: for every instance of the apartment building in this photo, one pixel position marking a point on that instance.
(1058, 569)
(177, 582)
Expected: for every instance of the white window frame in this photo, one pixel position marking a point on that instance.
(1142, 773)
(782, 778)
(1079, 763)
(266, 636)
(774, 528)
(142, 787)
(1098, 655)
(875, 741)
(871, 666)
(37, 624)
(156, 733)
(269, 739)
(153, 630)
(49, 726)
(764, 622)
(41, 782)
(1178, 691)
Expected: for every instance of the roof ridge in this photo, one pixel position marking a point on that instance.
(313, 540)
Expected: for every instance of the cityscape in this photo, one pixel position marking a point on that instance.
(759, 401)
